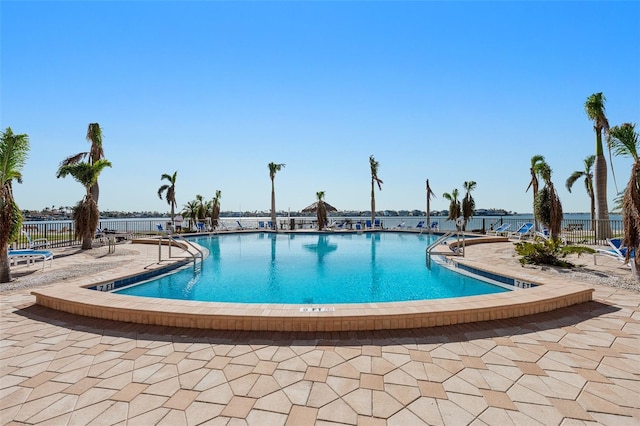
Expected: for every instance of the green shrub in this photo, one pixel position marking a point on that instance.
(548, 252)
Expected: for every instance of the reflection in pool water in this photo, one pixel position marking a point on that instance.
(314, 268)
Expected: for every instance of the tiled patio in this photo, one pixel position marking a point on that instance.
(577, 365)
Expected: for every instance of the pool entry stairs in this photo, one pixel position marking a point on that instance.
(179, 241)
(455, 249)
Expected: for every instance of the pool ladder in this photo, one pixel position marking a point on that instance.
(187, 247)
(459, 251)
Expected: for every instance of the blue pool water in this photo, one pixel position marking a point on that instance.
(314, 268)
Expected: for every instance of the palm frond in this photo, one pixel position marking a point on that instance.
(572, 179)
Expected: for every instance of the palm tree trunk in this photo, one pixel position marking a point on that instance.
(603, 228)
(373, 203)
(95, 192)
(593, 212)
(273, 206)
(5, 271)
(87, 241)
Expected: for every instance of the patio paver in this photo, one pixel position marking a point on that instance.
(576, 365)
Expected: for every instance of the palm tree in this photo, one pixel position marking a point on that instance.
(468, 203)
(215, 209)
(273, 169)
(321, 210)
(95, 153)
(190, 211)
(547, 207)
(374, 179)
(536, 162)
(85, 214)
(587, 173)
(455, 209)
(170, 189)
(594, 107)
(202, 209)
(13, 156)
(624, 141)
(429, 195)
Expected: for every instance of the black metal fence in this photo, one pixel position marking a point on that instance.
(60, 233)
(576, 231)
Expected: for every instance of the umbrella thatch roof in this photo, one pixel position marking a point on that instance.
(314, 207)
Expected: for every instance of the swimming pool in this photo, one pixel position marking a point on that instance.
(314, 269)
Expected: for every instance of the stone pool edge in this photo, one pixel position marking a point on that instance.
(546, 296)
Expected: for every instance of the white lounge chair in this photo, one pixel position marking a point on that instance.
(420, 225)
(544, 233)
(37, 242)
(525, 230)
(500, 230)
(30, 256)
(617, 251)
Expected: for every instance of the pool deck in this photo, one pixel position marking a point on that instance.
(574, 365)
(550, 294)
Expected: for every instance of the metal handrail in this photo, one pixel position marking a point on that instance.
(441, 239)
(188, 243)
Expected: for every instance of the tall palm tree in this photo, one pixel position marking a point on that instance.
(273, 169)
(215, 209)
(170, 189)
(547, 207)
(321, 211)
(374, 165)
(95, 153)
(13, 156)
(468, 203)
(455, 209)
(594, 107)
(85, 214)
(536, 162)
(624, 141)
(587, 173)
(429, 195)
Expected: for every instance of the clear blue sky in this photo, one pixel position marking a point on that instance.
(445, 91)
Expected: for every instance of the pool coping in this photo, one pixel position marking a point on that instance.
(547, 295)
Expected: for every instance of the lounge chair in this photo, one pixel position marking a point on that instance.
(367, 224)
(617, 251)
(500, 230)
(30, 256)
(401, 225)
(101, 236)
(201, 227)
(525, 230)
(544, 233)
(420, 225)
(37, 242)
(377, 223)
(434, 226)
